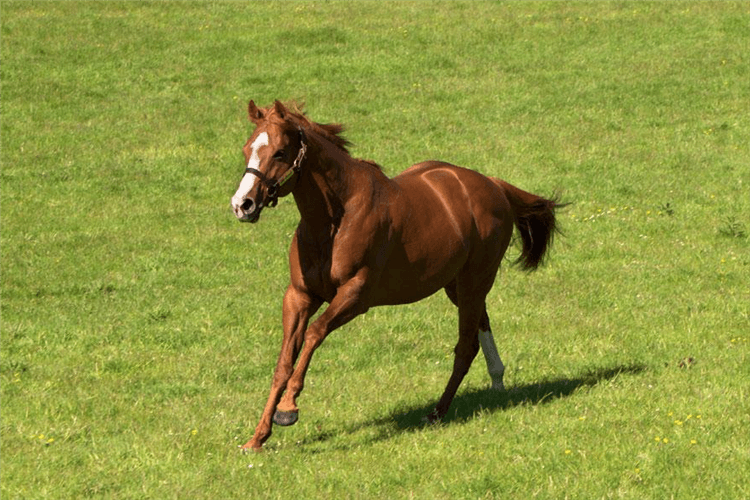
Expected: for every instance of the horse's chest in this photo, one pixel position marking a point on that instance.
(315, 266)
(326, 267)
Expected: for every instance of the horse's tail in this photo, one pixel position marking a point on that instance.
(535, 220)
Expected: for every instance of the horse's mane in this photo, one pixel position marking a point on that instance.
(331, 132)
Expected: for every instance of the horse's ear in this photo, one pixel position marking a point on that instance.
(280, 109)
(254, 113)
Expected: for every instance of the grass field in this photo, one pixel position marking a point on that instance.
(141, 322)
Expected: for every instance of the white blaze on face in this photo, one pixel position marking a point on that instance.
(248, 181)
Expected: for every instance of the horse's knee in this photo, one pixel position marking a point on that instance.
(467, 345)
(314, 336)
(282, 374)
(466, 351)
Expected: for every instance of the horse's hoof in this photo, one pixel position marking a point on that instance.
(250, 447)
(499, 387)
(285, 418)
(431, 418)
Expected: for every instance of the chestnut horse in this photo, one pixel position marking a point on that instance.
(365, 240)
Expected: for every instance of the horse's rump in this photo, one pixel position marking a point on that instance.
(443, 217)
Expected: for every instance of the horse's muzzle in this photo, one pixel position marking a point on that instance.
(248, 211)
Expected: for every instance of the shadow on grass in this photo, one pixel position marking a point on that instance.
(468, 405)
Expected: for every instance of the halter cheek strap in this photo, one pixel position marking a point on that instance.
(273, 187)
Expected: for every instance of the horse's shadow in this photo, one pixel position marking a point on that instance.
(468, 405)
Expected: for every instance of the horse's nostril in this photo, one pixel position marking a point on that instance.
(247, 204)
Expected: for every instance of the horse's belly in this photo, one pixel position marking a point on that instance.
(396, 289)
(409, 277)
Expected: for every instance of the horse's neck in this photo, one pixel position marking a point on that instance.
(324, 191)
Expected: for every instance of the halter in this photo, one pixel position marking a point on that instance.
(272, 189)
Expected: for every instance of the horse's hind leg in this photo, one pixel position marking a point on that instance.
(495, 366)
(469, 317)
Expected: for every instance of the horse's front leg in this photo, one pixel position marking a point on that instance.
(345, 306)
(298, 308)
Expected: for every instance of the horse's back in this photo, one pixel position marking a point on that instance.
(443, 175)
(467, 196)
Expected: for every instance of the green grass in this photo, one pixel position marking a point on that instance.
(141, 322)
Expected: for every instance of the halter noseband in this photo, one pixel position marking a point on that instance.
(272, 189)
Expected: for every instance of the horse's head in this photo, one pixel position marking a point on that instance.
(273, 155)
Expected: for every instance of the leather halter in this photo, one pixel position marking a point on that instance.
(272, 188)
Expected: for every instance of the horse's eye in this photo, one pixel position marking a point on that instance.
(279, 155)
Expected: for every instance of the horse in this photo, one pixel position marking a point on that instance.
(366, 240)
